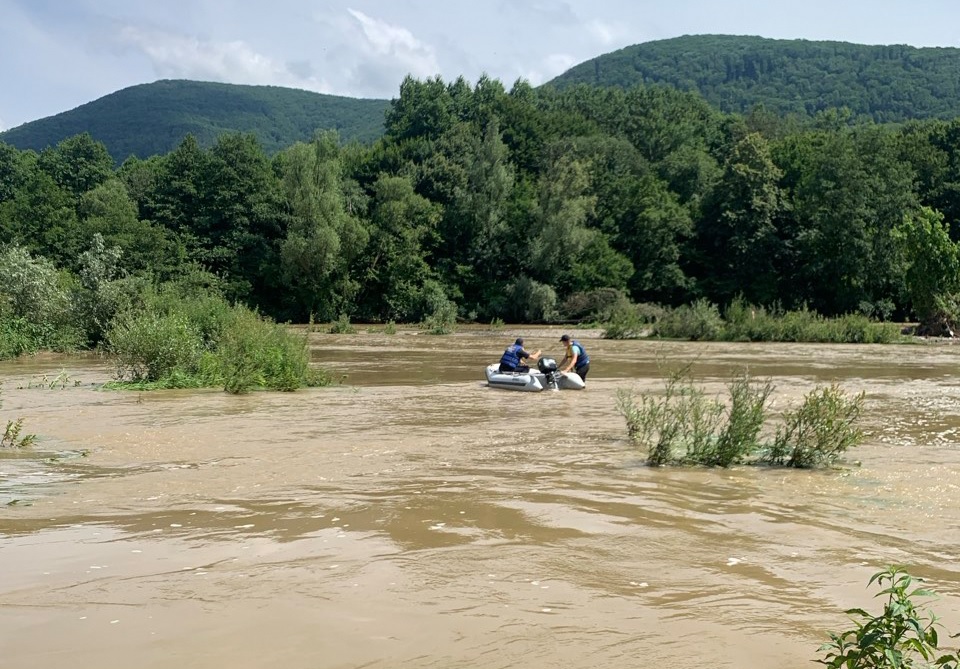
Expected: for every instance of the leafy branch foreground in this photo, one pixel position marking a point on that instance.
(684, 426)
(902, 636)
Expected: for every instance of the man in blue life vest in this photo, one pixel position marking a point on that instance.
(514, 355)
(576, 357)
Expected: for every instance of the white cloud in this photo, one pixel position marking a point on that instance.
(388, 42)
(183, 57)
(558, 63)
(550, 67)
(604, 33)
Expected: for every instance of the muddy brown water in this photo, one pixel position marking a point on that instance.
(413, 517)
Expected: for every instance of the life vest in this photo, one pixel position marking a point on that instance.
(511, 356)
(582, 357)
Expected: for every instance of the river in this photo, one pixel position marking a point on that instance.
(413, 517)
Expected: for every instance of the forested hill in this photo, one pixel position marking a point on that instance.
(735, 73)
(152, 119)
(732, 73)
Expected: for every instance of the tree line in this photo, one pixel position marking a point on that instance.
(520, 205)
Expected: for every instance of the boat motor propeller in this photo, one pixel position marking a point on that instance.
(548, 366)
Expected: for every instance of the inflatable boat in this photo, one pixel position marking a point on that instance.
(545, 377)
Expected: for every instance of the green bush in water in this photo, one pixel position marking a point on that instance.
(699, 321)
(685, 426)
(12, 436)
(682, 425)
(443, 320)
(342, 326)
(820, 430)
(257, 353)
(200, 341)
(208, 313)
(739, 438)
(150, 346)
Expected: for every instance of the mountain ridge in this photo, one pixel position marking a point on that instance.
(153, 118)
(734, 73)
(886, 83)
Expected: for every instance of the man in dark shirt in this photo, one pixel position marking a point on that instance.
(514, 355)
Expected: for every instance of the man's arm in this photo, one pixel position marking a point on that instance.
(572, 357)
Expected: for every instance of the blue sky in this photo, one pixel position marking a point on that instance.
(58, 54)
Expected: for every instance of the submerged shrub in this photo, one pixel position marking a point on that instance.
(820, 430)
(699, 321)
(13, 436)
(682, 425)
(629, 321)
(32, 288)
(656, 424)
(22, 336)
(342, 326)
(900, 637)
(443, 320)
(745, 418)
(34, 305)
(632, 321)
(101, 293)
(200, 341)
(207, 312)
(149, 346)
(685, 426)
(745, 322)
(598, 305)
(529, 301)
(255, 352)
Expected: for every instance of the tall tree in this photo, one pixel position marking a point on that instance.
(424, 110)
(243, 219)
(107, 210)
(737, 237)
(559, 234)
(642, 224)
(322, 239)
(846, 191)
(932, 277)
(42, 218)
(475, 246)
(396, 268)
(77, 164)
(13, 171)
(177, 197)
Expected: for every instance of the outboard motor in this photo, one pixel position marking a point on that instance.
(548, 366)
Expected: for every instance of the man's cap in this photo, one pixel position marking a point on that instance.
(519, 341)
(565, 338)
